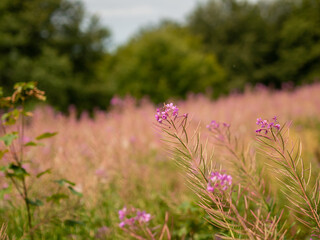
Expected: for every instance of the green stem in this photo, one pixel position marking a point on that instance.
(24, 185)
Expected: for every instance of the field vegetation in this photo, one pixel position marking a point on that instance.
(207, 129)
(122, 160)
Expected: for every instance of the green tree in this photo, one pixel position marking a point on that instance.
(299, 41)
(236, 32)
(163, 62)
(52, 42)
(261, 42)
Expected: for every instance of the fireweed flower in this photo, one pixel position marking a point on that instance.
(102, 232)
(218, 180)
(135, 216)
(122, 213)
(227, 125)
(213, 125)
(116, 101)
(266, 126)
(142, 216)
(168, 110)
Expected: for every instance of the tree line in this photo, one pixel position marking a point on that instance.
(224, 46)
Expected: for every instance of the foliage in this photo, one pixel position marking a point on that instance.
(161, 63)
(224, 46)
(270, 42)
(13, 123)
(3, 235)
(118, 160)
(54, 43)
(241, 205)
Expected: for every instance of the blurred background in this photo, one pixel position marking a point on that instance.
(125, 56)
(85, 53)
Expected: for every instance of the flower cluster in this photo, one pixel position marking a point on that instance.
(265, 126)
(138, 216)
(218, 180)
(215, 125)
(166, 111)
(116, 101)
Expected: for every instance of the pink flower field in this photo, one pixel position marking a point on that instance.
(120, 158)
(93, 151)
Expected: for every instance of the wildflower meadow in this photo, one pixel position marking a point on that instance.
(245, 166)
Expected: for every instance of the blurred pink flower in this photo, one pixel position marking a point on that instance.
(101, 173)
(5, 186)
(116, 101)
(6, 197)
(137, 216)
(218, 180)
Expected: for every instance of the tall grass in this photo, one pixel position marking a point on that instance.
(117, 159)
(125, 135)
(240, 205)
(3, 235)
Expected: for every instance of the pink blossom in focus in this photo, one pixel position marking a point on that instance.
(169, 110)
(266, 126)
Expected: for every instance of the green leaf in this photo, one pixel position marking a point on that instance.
(3, 168)
(8, 138)
(63, 181)
(10, 118)
(46, 135)
(57, 197)
(44, 172)
(72, 223)
(16, 171)
(30, 144)
(73, 191)
(2, 152)
(4, 191)
(30, 85)
(24, 85)
(36, 202)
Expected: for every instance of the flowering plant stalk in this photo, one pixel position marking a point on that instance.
(136, 224)
(3, 235)
(13, 146)
(295, 177)
(237, 199)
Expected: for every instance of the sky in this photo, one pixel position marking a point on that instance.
(126, 17)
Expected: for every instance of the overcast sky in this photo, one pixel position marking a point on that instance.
(125, 17)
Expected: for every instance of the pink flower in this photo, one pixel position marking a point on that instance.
(122, 213)
(168, 110)
(227, 125)
(213, 125)
(5, 185)
(102, 232)
(26, 139)
(218, 180)
(116, 101)
(101, 173)
(134, 217)
(6, 197)
(265, 126)
(143, 216)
